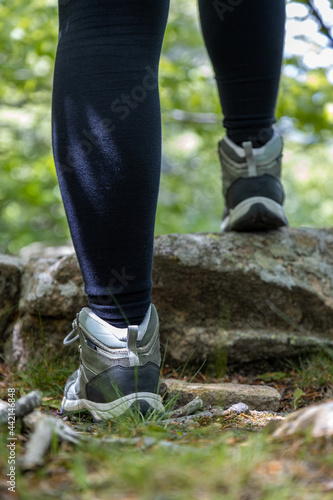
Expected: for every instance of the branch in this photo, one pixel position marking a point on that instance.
(186, 116)
(23, 406)
(325, 29)
(18, 104)
(43, 428)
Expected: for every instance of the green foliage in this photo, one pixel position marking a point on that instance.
(298, 394)
(314, 370)
(190, 196)
(48, 372)
(30, 202)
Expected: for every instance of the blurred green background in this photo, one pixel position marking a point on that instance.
(190, 194)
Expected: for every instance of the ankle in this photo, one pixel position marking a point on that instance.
(258, 137)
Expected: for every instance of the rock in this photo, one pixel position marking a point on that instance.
(241, 297)
(316, 421)
(52, 292)
(52, 287)
(222, 298)
(238, 408)
(40, 249)
(256, 397)
(32, 336)
(10, 276)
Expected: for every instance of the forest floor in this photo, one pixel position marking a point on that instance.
(222, 458)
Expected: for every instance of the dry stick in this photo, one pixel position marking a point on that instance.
(37, 447)
(43, 428)
(23, 406)
(63, 430)
(188, 409)
(197, 416)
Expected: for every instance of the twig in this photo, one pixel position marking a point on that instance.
(186, 116)
(23, 406)
(197, 416)
(188, 409)
(37, 447)
(44, 427)
(317, 15)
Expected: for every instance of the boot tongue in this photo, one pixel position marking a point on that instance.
(132, 338)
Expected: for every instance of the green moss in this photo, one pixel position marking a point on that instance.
(213, 236)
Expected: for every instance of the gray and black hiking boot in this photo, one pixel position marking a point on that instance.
(119, 367)
(252, 189)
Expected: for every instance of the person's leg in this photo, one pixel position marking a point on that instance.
(245, 44)
(107, 150)
(107, 145)
(244, 39)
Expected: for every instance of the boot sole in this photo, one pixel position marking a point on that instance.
(145, 403)
(255, 214)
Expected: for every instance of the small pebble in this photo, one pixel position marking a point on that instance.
(238, 408)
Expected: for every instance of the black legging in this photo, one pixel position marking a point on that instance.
(107, 130)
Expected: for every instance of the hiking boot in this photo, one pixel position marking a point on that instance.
(252, 189)
(119, 367)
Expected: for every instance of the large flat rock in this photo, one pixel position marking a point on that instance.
(244, 297)
(256, 397)
(224, 298)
